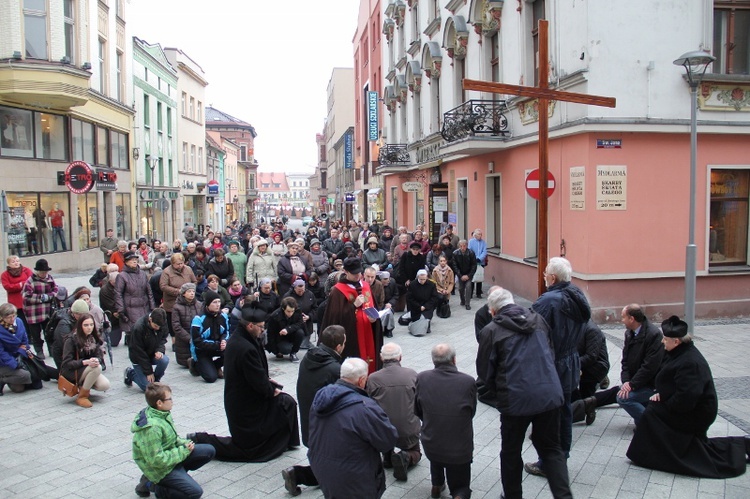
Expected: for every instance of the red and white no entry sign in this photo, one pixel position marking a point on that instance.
(532, 184)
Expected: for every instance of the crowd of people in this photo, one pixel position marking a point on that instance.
(222, 303)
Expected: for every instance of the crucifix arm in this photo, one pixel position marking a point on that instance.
(539, 93)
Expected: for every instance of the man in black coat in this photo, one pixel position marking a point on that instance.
(321, 366)
(671, 435)
(516, 361)
(147, 350)
(592, 350)
(262, 419)
(481, 319)
(464, 267)
(411, 262)
(446, 402)
(286, 330)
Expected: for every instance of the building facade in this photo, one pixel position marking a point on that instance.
(190, 149)
(154, 139)
(65, 121)
(619, 211)
(338, 135)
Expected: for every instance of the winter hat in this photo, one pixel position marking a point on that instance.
(314, 241)
(260, 242)
(62, 293)
(421, 272)
(372, 240)
(209, 297)
(415, 244)
(79, 307)
(674, 327)
(353, 265)
(299, 282)
(186, 287)
(130, 255)
(42, 265)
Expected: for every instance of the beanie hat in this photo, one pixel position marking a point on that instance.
(186, 287)
(209, 297)
(79, 307)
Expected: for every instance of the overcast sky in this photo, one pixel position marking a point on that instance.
(267, 62)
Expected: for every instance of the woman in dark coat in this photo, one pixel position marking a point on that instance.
(671, 435)
(290, 268)
(265, 298)
(133, 297)
(221, 266)
(262, 419)
(422, 297)
(83, 358)
(185, 309)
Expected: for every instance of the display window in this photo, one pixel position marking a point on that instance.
(728, 230)
(88, 221)
(38, 223)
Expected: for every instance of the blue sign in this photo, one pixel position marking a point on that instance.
(373, 130)
(349, 197)
(213, 188)
(348, 151)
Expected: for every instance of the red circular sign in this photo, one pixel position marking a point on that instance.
(532, 184)
(79, 178)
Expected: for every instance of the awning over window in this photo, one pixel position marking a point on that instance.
(356, 193)
(374, 192)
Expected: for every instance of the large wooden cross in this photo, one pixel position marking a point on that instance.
(544, 94)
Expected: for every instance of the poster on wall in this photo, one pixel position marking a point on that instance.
(577, 188)
(611, 187)
(440, 203)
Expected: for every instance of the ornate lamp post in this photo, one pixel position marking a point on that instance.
(695, 64)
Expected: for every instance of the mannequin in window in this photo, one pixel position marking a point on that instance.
(57, 222)
(42, 229)
(31, 236)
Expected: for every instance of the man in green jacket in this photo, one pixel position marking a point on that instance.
(163, 457)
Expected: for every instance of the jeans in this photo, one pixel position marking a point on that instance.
(178, 483)
(58, 232)
(208, 366)
(545, 436)
(636, 403)
(139, 378)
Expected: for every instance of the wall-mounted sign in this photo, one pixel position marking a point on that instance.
(611, 187)
(79, 177)
(348, 151)
(209, 200)
(349, 197)
(213, 187)
(106, 180)
(412, 186)
(577, 188)
(373, 129)
(428, 153)
(609, 143)
(532, 184)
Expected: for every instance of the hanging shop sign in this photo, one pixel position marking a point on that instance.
(412, 186)
(373, 130)
(348, 151)
(213, 187)
(78, 177)
(106, 179)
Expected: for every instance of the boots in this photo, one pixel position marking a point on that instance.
(83, 398)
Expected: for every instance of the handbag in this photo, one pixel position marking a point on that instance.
(444, 310)
(36, 367)
(65, 386)
(478, 275)
(405, 319)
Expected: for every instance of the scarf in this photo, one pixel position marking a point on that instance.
(15, 272)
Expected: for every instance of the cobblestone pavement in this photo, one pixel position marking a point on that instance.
(51, 448)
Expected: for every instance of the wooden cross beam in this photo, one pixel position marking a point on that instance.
(544, 94)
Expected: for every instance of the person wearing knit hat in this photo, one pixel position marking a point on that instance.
(147, 350)
(65, 325)
(671, 434)
(184, 309)
(209, 334)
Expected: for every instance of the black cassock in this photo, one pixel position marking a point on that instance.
(671, 436)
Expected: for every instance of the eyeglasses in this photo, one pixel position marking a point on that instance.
(167, 400)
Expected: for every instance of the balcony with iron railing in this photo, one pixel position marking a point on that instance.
(394, 155)
(483, 117)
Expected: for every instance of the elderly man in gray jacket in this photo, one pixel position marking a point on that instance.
(394, 388)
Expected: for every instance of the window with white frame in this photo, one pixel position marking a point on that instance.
(731, 44)
(35, 28)
(192, 108)
(415, 31)
(70, 30)
(120, 80)
(436, 115)
(103, 66)
(200, 160)
(200, 111)
(184, 105)
(185, 164)
(192, 158)
(728, 221)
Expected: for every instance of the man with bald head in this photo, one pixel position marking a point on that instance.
(446, 401)
(393, 388)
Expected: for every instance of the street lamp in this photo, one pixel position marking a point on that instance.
(695, 64)
(152, 162)
(228, 200)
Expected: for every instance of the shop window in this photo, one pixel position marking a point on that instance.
(123, 223)
(38, 223)
(728, 230)
(83, 141)
(88, 221)
(15, 133)
(51, 136)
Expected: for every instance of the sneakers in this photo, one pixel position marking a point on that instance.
(128, 380)
(290, 481)
(143, 489)
(400, 465)
(293, 357)
(534, 469)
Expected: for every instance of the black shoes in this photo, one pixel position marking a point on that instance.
(400, 465)
(128, 379)
(143, 489)
(290, 481)
(468, 307)
(191, 367)
(590, 408)
(293, 357)
(436, 491)
(604, 383)
(534, 469)
(388, 333)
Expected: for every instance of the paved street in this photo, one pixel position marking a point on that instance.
(52, 448)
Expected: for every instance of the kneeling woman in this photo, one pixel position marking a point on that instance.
(83, 358)
(13, 343)
(209, 333)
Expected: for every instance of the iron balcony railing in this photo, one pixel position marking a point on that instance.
(475, 117)
(394, 155)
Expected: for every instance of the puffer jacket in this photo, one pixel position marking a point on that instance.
(516, 362)
(183, 314)
(262, 265)
(224, 270)
(133, 297)
(320, 264)
(170, 283)
(567, 312)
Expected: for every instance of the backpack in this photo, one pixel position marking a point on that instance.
(54, 320)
